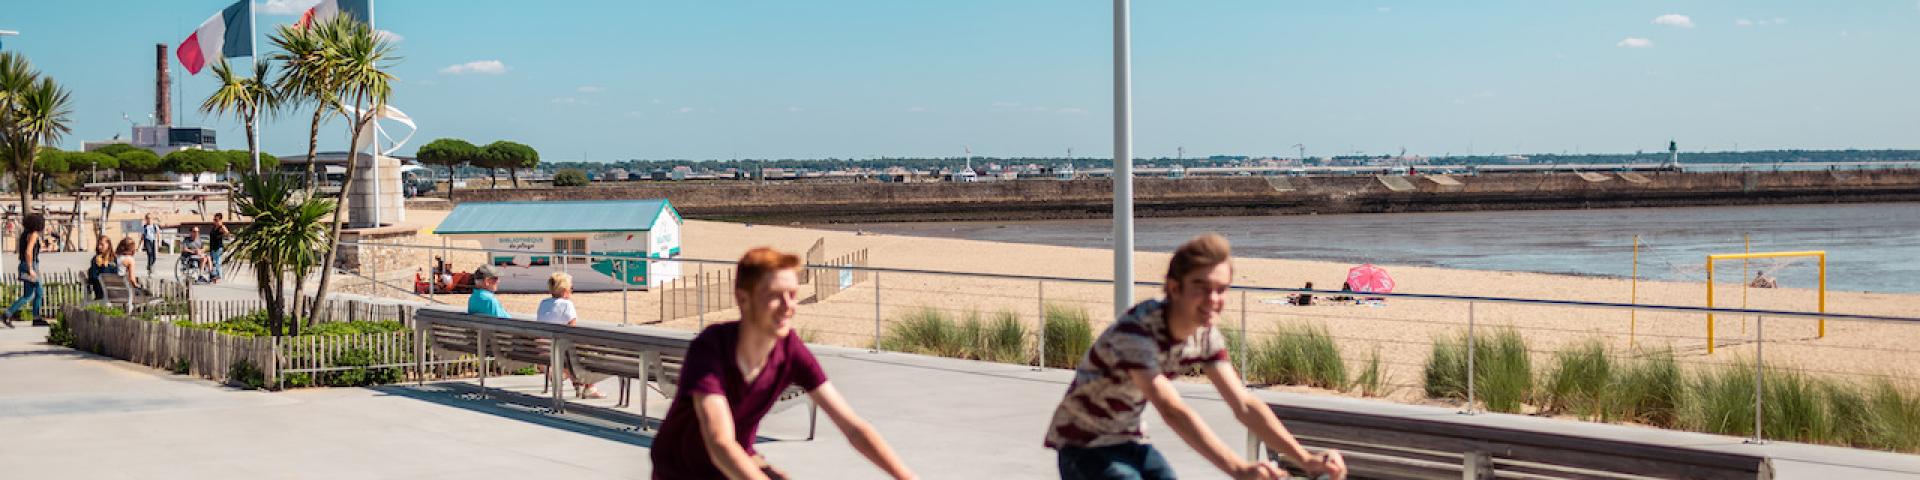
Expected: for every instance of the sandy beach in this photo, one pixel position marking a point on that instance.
(1400, 331)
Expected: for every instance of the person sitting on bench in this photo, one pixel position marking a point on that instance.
(734, 372)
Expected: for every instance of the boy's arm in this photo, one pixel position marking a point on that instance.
(716, 429)
(858, 432)
(1185, 422)
(1259, 419)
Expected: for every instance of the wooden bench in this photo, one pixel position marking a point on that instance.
(120, 291)
(653, 359)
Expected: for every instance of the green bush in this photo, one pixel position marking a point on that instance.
(1236, 347)
(59, 333)
(244, 374)
(1503, 372)
(1298, 354)
(180, 366)
(361, 375)
(1069, 332)
(570, 177)
(1579, 381)
(527, 370)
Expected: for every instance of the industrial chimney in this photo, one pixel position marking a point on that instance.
(162, 113)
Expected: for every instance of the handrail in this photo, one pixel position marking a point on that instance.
(1260, 289)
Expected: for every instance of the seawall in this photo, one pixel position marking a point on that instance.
(1201, 196)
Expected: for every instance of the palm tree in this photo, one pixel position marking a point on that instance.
(242, 96)
(308, 67)
(282, 243)
(33, 111)
(360, 72)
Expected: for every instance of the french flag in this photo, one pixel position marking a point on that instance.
(327, 9)
(228, 34)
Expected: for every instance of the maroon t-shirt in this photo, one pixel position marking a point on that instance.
(678, 451)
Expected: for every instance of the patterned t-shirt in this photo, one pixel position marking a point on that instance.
(1102, 406)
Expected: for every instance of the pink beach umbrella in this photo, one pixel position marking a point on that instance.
(1369, 279)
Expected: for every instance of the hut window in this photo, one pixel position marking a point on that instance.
(577, 246)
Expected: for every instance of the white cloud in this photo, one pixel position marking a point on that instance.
(486, 67)
(636, 114)
(1743, 23)
(795, 109)
(391, 37)
(1071, 111)
(286, 7)
(1383, 9)
(656, 101)
(1635, 42)
(1674, 20)
(917, 109)
(684, 110)
(589, 89)
(1779, 21)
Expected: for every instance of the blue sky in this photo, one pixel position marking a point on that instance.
(723, 79)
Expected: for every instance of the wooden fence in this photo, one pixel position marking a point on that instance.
(157, 341)
(685, 297)
(828, 282)
(67, 288)
(159, 344)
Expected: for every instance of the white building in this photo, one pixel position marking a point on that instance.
(522, 236)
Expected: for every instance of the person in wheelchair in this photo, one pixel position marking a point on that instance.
(193, 253)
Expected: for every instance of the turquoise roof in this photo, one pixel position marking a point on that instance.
(554, 217)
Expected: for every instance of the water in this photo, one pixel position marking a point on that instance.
(1870, 247)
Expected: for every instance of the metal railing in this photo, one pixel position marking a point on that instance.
(1413, 319)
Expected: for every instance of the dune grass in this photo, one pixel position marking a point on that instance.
(931, 331)
(1580, 381)
(1372, 381)
(1503, 371)
(1298, 354)
(1069, 332)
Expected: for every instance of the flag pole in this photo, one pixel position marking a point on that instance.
(374, 142)
(253, 49)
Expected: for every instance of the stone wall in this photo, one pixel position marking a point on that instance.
(861, 202)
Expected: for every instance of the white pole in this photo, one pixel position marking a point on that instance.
(374, 142)
(1122, 160)
(253, 42)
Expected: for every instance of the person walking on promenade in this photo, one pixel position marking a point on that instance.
(217, 243)
(558, 309)
(29, 249)
(150, 240)
(734, 372)
(1097, 428)
(482, 301)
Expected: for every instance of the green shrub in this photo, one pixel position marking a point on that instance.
(570, 177)
(1236, 347)
(59, 333)
(1503, 372)
(361, 375)
(244, 374)
(108, 310)
(1580, 381)
(180, 366)
(527, 370)
(1298, 354)
(1069, 333)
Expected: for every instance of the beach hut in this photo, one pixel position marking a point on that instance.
(521, 237)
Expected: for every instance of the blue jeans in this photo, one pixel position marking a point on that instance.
(29, 293)
(1127, 461)
(216, 262)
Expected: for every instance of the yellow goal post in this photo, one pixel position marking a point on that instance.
(1821, 254)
